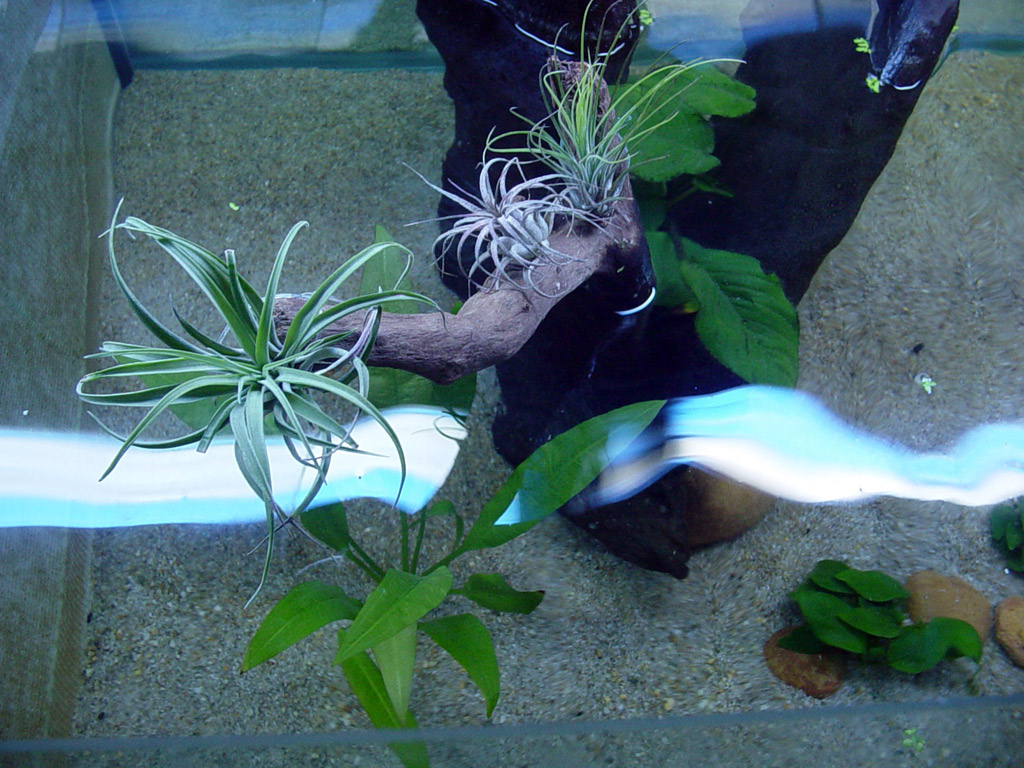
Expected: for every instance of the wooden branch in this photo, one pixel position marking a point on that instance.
(494, 323)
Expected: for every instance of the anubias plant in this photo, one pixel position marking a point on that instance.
(863, 613)
(252, 383)
(378, 637)
(1007, 525)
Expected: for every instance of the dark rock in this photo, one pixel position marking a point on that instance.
(800, 165)
(799, 168)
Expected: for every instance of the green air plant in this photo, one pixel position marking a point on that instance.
(863, 613)
(590, 135)
(254, 382)
(1007, 526)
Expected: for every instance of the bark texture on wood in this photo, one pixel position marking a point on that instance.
(495, 322)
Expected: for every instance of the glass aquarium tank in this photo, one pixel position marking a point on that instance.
(573, 383)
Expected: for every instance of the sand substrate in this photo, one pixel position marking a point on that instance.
(931, 264)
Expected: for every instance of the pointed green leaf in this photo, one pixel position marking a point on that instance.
(556, 472)
(367, 684)
(395, 659)
(399, 600)
(490, 590)
(329, 524)
(306, 608)
(467, 640)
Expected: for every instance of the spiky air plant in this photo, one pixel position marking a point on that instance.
(590, 131)
(254, 379)
(508, 227)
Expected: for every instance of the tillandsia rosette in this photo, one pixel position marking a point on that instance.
(250, 383)
(507, 227)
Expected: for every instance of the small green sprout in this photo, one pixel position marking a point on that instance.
(861, 45)
(234, 206)
(873, 83)
(912, 741)
(926, 382)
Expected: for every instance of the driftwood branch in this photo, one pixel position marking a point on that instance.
(497, 321)
(494, 323)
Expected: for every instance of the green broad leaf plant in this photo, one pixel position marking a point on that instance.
(378, 634)
(863, 613)
(1006, 523)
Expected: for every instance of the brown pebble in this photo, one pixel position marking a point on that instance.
(934, 594)
(1010, 628)
(818, 675)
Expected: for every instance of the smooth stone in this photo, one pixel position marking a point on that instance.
(934, 594)
(819, 675)
(1010, 628)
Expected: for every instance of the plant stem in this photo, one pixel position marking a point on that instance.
(404, 521)
(367, 564)
(422, 523)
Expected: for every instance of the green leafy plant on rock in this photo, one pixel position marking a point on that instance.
(377, 648)
(1007, 526)
(863, 613)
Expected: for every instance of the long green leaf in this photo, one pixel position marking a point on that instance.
(306, 608)
(399, 600)
(467, 640)
(367, 684)
(490, 590)
(556, 472)
(395, 659)
(265, 325)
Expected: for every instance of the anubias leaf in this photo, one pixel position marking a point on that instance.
(873, 585)
(744, 319)
(824, 576)
(922, 646)
(821, 611)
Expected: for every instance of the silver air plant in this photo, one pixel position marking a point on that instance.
(508, 227)
(253, 383)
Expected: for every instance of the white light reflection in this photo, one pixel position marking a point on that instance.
(51, 479)
(788, 444)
